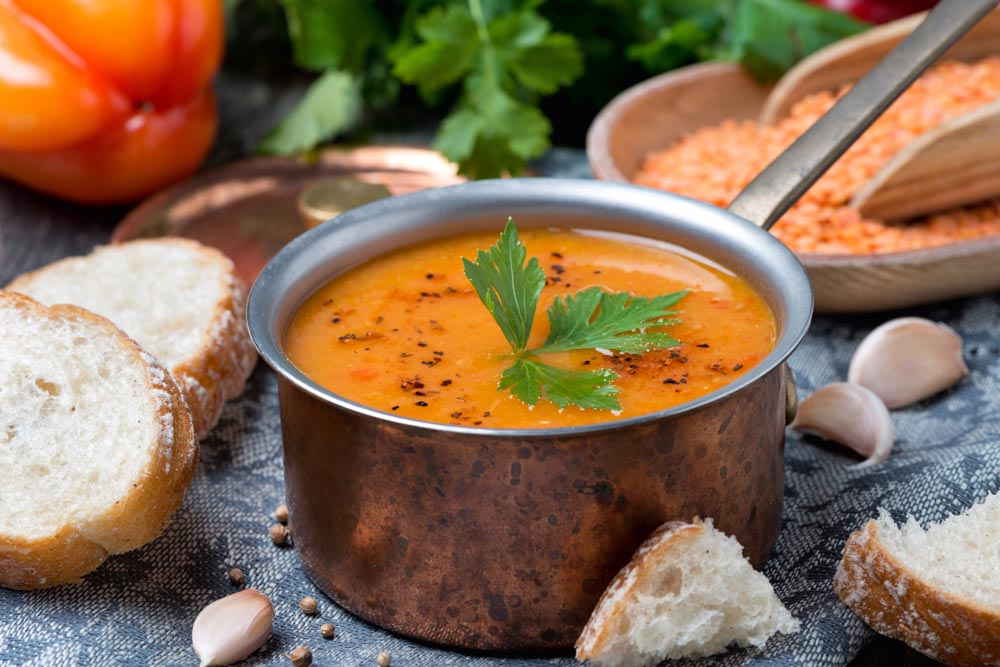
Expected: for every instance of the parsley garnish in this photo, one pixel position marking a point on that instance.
(589, 319)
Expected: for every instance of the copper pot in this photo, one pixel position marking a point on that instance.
(504, 539)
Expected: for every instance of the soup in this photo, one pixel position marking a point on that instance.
(406, 333)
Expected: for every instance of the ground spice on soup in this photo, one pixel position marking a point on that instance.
(714, 163)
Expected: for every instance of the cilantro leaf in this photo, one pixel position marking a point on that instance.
(507, 287)
(330, 106)
(619, 323)
(530, 380)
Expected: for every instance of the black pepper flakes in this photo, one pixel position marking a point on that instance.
(430, 276)
(702, 345)
(486, 414)
(421, 344)
(445, 383)
(670, 381)
(456, 414)
(437, 354)
(557, 255)
(395, 407)
(737, 367)
(558, 268)
(422, 404)
(347, 337)
(335, 320)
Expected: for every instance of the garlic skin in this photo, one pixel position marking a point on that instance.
(851, 415)
(908, 359)
(230, 629)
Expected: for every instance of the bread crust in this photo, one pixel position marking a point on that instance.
(598, 631)
(136, 518)
(896, 601)
(220, 372)
(226, 355)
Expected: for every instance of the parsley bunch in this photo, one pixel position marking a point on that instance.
(501, 68)
(503, 63)
(590, 319)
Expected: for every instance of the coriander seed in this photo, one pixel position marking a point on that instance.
(384, 659)
(236, 576)
(280, 513)
(301, 656)
(327, 630)
(279, 534)
(308, 605)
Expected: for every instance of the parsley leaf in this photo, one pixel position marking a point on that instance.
(505, 60)
(507, 287)
(330, 106)
(591, 318)
(620, 322)
(333, 34)
(531, 380)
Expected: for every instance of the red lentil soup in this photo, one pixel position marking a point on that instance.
(406, 333)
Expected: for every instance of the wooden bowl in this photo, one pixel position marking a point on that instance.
(654, 114)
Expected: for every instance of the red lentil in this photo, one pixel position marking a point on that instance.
(714, 163)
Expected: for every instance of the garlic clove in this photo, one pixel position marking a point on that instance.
(851, 415)
(232, 628)
(908, 359)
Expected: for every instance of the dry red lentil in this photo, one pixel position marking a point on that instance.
(714, 163)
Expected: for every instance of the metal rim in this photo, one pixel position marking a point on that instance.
(786, 273)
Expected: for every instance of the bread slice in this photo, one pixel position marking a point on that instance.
(938, 589)
(96, 444)
(182, 301)
(688, 591)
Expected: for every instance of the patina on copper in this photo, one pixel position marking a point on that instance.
(507, 543)
(504, 539)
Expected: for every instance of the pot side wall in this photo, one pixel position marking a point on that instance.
(506, 543)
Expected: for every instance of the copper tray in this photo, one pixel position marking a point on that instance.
(249, 209)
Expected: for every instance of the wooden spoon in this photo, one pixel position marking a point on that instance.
(955, 164)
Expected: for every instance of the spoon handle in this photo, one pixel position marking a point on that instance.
(788, 177)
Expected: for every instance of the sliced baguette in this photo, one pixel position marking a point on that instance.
(688, 591)
(182, 301)
(938, 589)
(96, 443)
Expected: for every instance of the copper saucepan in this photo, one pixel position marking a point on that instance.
(504, 539)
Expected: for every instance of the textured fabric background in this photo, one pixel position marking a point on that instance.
(137, 609)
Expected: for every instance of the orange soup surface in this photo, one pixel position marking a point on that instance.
(406, 333)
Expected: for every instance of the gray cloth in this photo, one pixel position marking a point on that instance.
(137, 608)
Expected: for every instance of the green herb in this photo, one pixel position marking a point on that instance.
(330, 106)
(590, 319)
(504, 62)
(501, 68)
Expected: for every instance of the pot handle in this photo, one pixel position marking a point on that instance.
(791, 396)
(786, 179)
